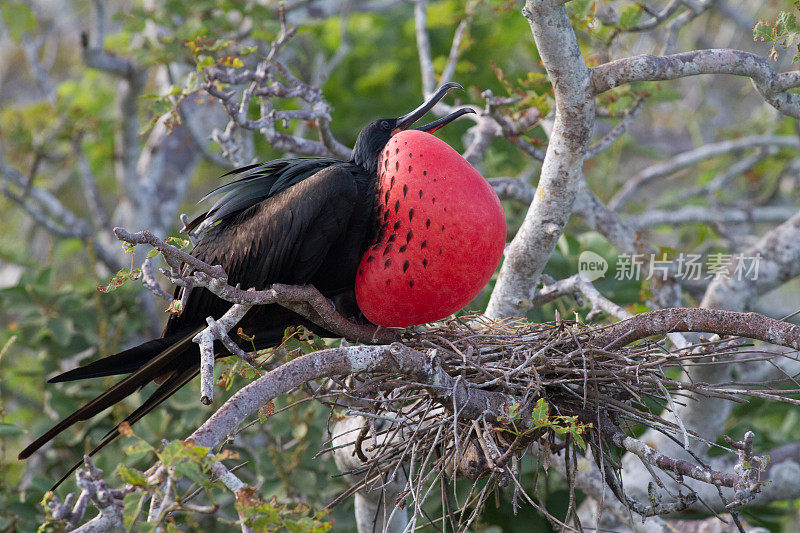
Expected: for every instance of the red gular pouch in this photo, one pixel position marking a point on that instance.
(442, 234)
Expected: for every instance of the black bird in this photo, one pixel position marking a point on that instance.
(292, 221)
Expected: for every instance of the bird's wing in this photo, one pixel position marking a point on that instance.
(256, 183)
(282, 239)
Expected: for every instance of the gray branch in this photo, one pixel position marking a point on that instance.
(693, 157)
(561, 171)
(772, 86)
(710, 215)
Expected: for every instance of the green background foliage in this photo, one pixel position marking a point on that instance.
(53, 317)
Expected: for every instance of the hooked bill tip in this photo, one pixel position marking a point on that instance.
(435, 125)
(406, 121)
(450, 85)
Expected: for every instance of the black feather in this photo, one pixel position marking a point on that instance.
(124, 362)
(161, 362)
(164, 391)
(257, 183)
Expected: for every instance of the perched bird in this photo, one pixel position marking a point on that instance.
(292, 221)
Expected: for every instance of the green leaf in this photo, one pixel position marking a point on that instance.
(630, 16)
(139, 449)
(147, 126)
(62, 329)
(134, 503)
(582, 8)
(763, 31)
(207, 61)
(9, 430)
(192, 471)
(540, 411)
(785, 23)
(179, 242)
(171, 453)
(131, 476)
(231, 61)
(18, 18)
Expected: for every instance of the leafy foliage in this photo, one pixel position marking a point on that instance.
(784, 32)
(53, 317)
(542, 419)
(18, 18)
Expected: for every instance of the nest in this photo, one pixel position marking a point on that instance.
(562, 393)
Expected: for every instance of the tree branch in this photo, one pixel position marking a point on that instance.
(692, 157)
(710, 215)
(716, 321)
(772, 86)
(531, 248)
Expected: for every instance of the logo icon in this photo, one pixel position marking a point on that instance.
(591, 266)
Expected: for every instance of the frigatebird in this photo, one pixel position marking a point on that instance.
(291, 221)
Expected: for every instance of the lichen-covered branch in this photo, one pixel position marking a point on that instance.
(772, 86)
(304, 300)
(94, 489)
(561, 170)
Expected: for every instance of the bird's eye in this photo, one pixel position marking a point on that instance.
(385, 125)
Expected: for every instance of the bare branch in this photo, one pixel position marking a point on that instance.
(271, 79)
(698, 155)
(132, 83)
(602, 219)
(508, 188)
(455, 48)
(147, 237)
(618, 131)
(779, 261)
(424, 47)
(32, 49)
(561, 171)
(717, 321)
(482, 133)
(719, 182)
(772, 86)
(47, 210)
(217, 330)
(95, 205)
(710, 215)
(576, 284)
(150, 282)
(109, 502)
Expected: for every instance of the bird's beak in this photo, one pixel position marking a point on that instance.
(435, 125)
(405, 122)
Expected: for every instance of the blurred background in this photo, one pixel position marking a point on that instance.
(87, 143)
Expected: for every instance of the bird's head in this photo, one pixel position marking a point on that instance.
(373, 138)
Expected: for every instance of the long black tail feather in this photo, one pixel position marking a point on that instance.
(164, 391)
(123, 362)
(156, 366)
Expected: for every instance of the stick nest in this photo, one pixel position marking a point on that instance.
(562, 393)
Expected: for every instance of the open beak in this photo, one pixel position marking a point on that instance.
(405, 122)
(435, 125)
